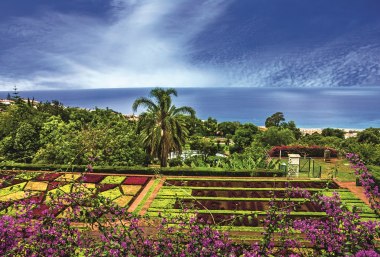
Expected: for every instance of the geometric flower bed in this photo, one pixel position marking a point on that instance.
(244, 202)
(121, 189)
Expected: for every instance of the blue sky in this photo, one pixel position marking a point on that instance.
(65, 44)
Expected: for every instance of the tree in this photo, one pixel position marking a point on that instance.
(275, 136)
(194, 125)
(331, 132)
(275, 120)
(15, 93)
(161, 125)
(228, 127)
(210, 127)
(369, 135)
(244, 136)
(291, 125)
(204, 146)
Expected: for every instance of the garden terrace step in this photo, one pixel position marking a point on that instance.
(238, 212)
(252, 183)
(200, 178)
(227, 193)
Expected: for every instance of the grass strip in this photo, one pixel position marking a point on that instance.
(227, 198)
(163, 203)
(245, 179)
(240, 229)
(252, 189)
(146, 197)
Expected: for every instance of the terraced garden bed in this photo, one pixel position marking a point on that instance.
(241, 204)
(121, 189)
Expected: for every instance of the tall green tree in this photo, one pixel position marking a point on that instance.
(162, 126)
(275, 120)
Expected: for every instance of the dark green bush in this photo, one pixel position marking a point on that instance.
(173, 171)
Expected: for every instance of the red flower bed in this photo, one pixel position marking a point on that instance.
(55, 184)
(92, 178)
(39, 210)
(37, 198)
(310, 151)
(48, 177)
(135, 181)
(105, 187)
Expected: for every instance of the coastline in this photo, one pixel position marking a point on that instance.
(310, 108)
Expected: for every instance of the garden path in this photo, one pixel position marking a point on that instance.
(148, 202)
(357, 190)
(141, 196)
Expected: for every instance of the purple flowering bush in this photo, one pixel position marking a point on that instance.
(79, 224)
(366, 180)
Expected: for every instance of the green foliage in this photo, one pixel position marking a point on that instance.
(48, 133)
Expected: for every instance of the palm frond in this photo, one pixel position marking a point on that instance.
(144, 102)
(184, 110)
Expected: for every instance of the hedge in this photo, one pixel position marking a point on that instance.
(172, 171)
(310, 151)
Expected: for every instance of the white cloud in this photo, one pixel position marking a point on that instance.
(141, 44)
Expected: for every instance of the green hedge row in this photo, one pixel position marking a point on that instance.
(173, 171)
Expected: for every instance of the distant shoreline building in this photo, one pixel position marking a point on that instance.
(347, 132)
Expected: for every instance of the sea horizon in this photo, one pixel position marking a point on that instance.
(346, 108)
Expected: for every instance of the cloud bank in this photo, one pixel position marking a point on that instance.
(147, 43)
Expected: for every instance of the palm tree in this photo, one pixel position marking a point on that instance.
(162, 125)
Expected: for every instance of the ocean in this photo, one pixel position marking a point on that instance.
(309, 108)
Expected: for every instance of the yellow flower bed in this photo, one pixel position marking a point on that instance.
(113, 180)
(111, 194)
(130, 189)
(12, 189)
(123, 201)
(16, 196)
(36, 186)
(89, 187)
(68, 177)
(66, 189)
